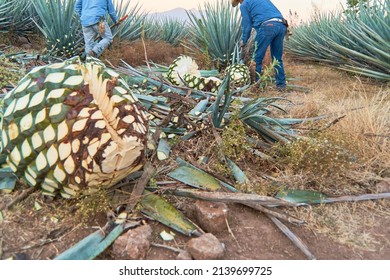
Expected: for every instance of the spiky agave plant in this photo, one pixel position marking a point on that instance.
(71, 126)
(166, 29)
(60, 26)
(131, 29)
(215, 31)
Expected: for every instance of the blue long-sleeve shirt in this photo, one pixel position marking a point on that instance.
(254, 13)
(90, 11)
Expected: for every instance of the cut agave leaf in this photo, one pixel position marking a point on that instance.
(197, 178)
(7, 179)
(238, 174)
(302, 196)
(160, 210)
(93, 245)
(163, 149)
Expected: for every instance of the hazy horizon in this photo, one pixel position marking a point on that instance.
(304, 8)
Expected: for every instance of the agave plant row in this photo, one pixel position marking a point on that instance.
(357, 42)
(16, 16)
(57, 21)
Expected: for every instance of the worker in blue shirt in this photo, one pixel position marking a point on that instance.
(270, 28)
(92, 15)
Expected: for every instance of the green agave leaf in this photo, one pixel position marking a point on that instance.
(197, 178)
(199, 108)
(93, 245)
(238, 174)
(160, 210)
(7, 179)
(163, 149)
(302, 196)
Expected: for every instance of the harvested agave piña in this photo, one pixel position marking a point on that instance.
(181, 66)
(73, 126)
(239, 74)
(185, 72)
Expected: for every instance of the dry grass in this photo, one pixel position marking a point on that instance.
(134, 52)
(364, 132)
(353, 224)
(366, 107)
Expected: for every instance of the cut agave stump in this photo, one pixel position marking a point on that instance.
(71, 126)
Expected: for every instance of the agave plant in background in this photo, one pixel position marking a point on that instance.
(16, 16)
(5, 8)
(72, 126)
(360, 48)
(166, 29)
(216, 32)
(132, 28)
(60, 26)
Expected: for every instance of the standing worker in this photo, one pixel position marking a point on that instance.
(92, 15)
(271, 27)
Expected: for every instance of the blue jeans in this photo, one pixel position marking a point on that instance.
(271, 34)
(90, 33)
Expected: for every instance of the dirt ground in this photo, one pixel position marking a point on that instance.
(29, 234)
(40, 228)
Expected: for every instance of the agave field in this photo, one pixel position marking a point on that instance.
(353, 41)
(105, 143)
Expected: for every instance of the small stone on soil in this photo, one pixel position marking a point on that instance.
(134, 244)
(211, 215)
(184, 256)
(206, 247)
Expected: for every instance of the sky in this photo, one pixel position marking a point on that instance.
(304, 8)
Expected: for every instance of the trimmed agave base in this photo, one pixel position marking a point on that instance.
(71, 126)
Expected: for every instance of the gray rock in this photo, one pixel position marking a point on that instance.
(134, 244)
(211, 215)
(206, 247)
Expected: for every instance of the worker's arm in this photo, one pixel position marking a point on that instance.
(246, 23)
(78, 6)
(111, 11)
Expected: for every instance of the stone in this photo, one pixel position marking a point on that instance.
(206, 247)
(22, 40)
(211, 216)
(184, 256)
(383, 186)
(134, 244)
